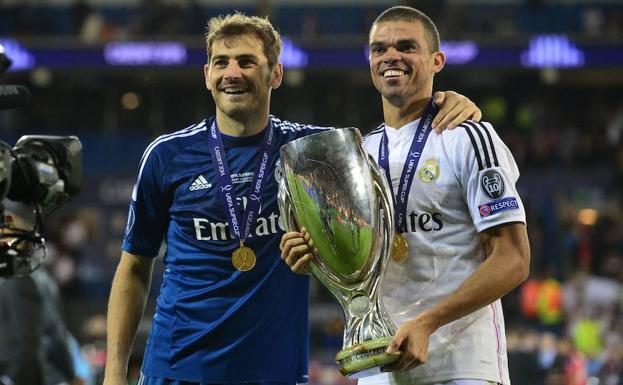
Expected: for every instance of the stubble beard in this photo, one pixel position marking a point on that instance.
(251, 110)
(243, 113)
(396, 98)
(401, 96)
(395, 95)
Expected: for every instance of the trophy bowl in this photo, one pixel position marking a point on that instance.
(337, 193)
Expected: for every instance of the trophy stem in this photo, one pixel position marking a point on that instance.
(366, 358)
(363, 355)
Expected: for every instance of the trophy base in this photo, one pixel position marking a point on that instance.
(365, 359)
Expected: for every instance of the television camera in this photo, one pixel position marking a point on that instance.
(40, 172)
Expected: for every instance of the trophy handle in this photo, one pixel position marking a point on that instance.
(381, 185)
(284, 201)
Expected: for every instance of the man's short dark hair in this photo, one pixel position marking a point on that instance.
(403, 13)
(238, 23)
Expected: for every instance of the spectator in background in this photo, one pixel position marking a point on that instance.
(94, 348)
(21, 334)
(58, 368)
(34, 339)
(80, 12)
(524, 361)
(557, 371)
(195, 17)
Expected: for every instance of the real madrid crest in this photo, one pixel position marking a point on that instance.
(429, 171)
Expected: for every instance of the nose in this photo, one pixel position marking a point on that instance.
(391, 55)
(233, 70)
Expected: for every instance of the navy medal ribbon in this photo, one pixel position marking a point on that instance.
(226, 191)
(411, 163)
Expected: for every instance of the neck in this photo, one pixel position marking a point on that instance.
(398, 115)
(241, 127)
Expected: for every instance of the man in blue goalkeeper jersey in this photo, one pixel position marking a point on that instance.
(229, 311)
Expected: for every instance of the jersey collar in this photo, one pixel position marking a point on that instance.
(406, 131)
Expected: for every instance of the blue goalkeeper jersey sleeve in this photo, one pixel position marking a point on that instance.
(213, 323)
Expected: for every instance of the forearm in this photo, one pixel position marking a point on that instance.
(506, 266)
(128, 297)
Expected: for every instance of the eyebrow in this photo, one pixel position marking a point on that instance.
(401, 42)
(238, 57)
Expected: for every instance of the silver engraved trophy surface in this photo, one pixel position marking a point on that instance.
(331, 188)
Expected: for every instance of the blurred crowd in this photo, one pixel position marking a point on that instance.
(166, 18)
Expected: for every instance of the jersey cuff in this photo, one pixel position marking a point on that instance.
(502, 220)
(143, 251)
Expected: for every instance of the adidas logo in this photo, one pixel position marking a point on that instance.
(199, 184)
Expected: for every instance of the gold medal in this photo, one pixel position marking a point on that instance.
(400, 248)
(243, 258)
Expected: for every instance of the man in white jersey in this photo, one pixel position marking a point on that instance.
(458, 209)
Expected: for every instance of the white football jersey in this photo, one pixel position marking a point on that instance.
(464, 184)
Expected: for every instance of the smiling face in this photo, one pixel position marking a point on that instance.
(240, 78)
(402, 64)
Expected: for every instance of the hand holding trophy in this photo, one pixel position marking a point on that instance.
(338, 194)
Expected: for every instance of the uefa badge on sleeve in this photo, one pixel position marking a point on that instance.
(484, 210)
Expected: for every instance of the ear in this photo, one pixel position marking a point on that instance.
(277, 76)
(439, 60)
(206, 75)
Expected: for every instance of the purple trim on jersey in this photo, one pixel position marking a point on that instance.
(223, 177)
(497, 340)
(411, 163)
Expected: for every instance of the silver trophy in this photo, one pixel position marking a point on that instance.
(331, 187)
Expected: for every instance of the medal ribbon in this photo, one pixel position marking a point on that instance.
(411, 163)
(223, 176)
